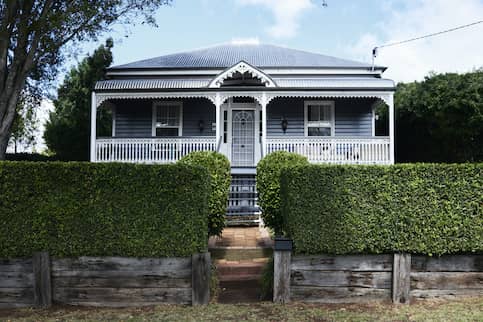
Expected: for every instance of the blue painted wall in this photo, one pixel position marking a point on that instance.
(353, 117)
(134, 117)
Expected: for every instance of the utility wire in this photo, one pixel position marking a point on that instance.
(374, 50)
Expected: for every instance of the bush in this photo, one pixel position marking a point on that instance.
(268, 185)
(417, 208)
(88, 209)
(219, 169)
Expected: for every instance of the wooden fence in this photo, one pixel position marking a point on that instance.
(104, 281)
(368, 278)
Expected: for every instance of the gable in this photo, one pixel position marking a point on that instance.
(242, 73)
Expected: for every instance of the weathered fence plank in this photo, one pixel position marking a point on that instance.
(121, 296)
(16, 297)
(281, 276)
(161, 272)
(42, 283)
(338, 294)
(340, 278)
(344, 263)
(16, 280)
(448, 263)
(120, 281)
(201, 275)
(17, 265)
(159, 265)
(401, 278)
(445, 294)
(446, 280)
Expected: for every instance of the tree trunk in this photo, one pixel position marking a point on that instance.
(7, 106)
(3, 145)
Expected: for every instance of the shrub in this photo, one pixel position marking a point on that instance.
(88, 209)
(418, 208)
(268, 185)
(219, 169)
(266, 281)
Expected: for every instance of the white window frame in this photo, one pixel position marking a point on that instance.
(154, 116)
(306, 115)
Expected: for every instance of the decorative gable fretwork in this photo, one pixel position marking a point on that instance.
(242, 68)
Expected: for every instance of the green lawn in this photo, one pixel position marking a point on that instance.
(462, 310)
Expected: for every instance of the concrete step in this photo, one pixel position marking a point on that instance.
(240, 269)
(229, 254)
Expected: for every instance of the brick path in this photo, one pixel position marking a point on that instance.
(242, 237)
(240, 255)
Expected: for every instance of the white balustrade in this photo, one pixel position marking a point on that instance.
(342, 150)
(150, 150)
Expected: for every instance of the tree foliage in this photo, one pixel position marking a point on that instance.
(67, 131)
(25, 122)
(34, 35)
(440, 119)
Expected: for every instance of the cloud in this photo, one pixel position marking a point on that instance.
(458, 51)
(286, 15)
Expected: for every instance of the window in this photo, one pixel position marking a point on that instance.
(167, 119)
(319, 118)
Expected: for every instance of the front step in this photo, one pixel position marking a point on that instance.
(240, 270)
(243, 200)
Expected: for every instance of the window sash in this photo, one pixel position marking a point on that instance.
(319, 118)
(167, 116)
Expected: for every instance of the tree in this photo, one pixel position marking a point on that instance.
(34, 35)
(67, 131)
(440, 119)
(25, 121)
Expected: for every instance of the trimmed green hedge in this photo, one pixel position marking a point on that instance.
(418, 208)
(218, 167)
(87, 209)
(268, 185)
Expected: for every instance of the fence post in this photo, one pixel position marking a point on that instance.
(401, 278)
(201, 274)
(42, 282)
(281, 270)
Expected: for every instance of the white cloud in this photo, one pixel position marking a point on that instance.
(286, 14)
(458, 51)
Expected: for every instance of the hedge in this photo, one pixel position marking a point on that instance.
(418, 208)
(218, 167)
(268, 185)
(87, 209)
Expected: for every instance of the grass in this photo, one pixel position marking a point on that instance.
(470, 309)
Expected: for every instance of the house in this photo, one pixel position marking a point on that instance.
(245, 101)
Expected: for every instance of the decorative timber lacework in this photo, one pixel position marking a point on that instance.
(242, 68)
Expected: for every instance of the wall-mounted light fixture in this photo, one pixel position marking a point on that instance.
(284, 124)
(201, 125)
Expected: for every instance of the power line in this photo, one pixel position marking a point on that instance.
(374, 50)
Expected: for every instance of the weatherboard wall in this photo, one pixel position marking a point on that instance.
(353, 117)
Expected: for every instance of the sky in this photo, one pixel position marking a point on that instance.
(344, 28)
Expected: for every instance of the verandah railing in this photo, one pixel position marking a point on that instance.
(150, 150)
(344, 150)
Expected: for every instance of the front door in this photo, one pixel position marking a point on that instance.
(243, 138)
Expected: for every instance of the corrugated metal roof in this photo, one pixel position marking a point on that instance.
(334, 82)
(342, 82)
(258, 55)
(152, 83)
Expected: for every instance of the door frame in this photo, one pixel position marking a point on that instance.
(229, 106)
